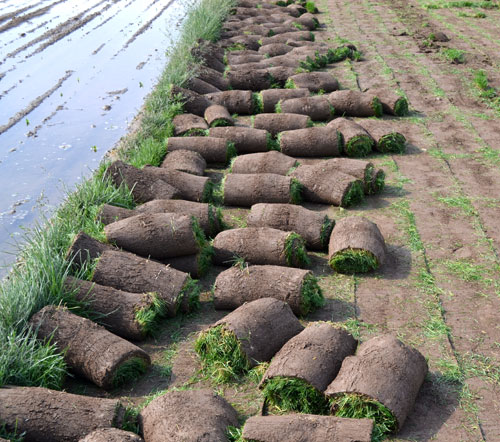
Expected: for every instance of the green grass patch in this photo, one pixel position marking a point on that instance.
(149, 316)
(311, 8)
(393, 142)
(326, 231)
(377, 107)
(293, 394)
(221, 122)
(338, 54)
(290, 84)
(354, 194)
(205, 258)
(456, 56)
(235, 434)
(296, 188)
(258, 103)
(466, 270)
(378, 183)
(231, 151)
(351, 261)
(129, 370)
(215, 219)
(221, 355)
(295, 251)
(11, 436)
(191, 290)
(359, 146)
(196, 132)
(311, 295)
(355, 406)
(401, 107)
(272, 143)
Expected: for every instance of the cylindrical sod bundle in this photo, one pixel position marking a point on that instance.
(314, 227)
(194, 415)
(263, 162)
(355, 140)
(214, 150)
(193, 102)
(356, 246)
(311, 142)
(239, 102)
(89, 349)
(201, 87)
(318, 107)
(245, 139)
(251, 334)
(275, 123)
(254, 80)
(274, 49)
(244, 190)
(304, 367)
(217, 115)
(260, 245)
(298, 288)
(392, 103)
(381, 381)
(44, 415)
(189, 124)
(213, 77)
(196, 265)
(355, 103)
(314, 81)
(186, 161)
(271, 97)
(386, 138)
(111, 435)
(84, 248)
(108, 214)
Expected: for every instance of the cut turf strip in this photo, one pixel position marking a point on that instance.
(271, 97)
(214, 150)
(89, 349)
(129, 315)
(387, 140)
(213, 77)
(304, 367)
(185, 161)
(236, 102)
(201, 87)
(392, 103)
(37, 413)
(237, 285)
(314, 81)
(244, 190)
(318, 108)
(192, 102)
(355, 140)
(311, 142)
(245, 139)
(260, 245)
(380, 382)
(217, 115)
(275, 123)
(355, 103)
(307, 427)
(314, 227)
(263, 162)
(189, 124)
(356, 246)
(108, 214)
(194, 415)
(251, 334)
(111, 435)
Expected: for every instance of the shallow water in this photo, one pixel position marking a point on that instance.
(73, 75)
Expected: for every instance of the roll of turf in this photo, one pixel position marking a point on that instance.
(280, 74)
(217, 115)
(356, 246)
(381, 381)
(263, 162)
(271, 97)
(248, 41)
(213, 77)
(280, 60)
(283, 38)
(196, 265)
(250, 57)
(111, 435)
(200, 87)
(89, 349)
(387, 140)
(311, 142)
(211, 54)
(245, 139)
(236, 102)
(275, 123)
(108, 214)
(189, 124)
(253, 80)
(185, 161)
(304, 367)
(84, 248)
(36, 413)
(392, 103)
(193, 103)
(356, 141)
(318, 108)
(260, 245)
(314, 227)
(214, 150)
(355, 103)
(275, 49)
(314, 81)
(307, 20)
(195, 415)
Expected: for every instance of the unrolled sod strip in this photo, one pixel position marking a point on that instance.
(37, 413)
(386, 138)
(275, 123)
(311, 142)
(244, 190)
(380, 382)
(193, 102)
(236, 101)
(251, 334)
(356, 141)
(392, 103)
(314, 81)
(260, 245)
(214, 150)
(304, 367)
(318, 108)
(271, 97)
(129, 315)
(111, 435)
(188, 415)
(298, 288)
(356, 246)
(314, 227)
(186, 161)
(218, 115)
(189, 124)
(307, 427)
(245, 139)
(89, 349)
(355, 103)
(263, 162)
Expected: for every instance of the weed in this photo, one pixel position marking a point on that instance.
(295, 251)
(311, 8)
(351, 261)
(290, 84)
(456, 56)
(235, 434)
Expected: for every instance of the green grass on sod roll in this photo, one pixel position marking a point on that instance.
(220, 122)
(368, 178)
(295, 250)
(292, 394)
(296, 191)
(311, 8)
(379, 182)
(359, 146)
(338, 54)
(258, 103)
(354, 195)
(192, 290)
(311, 295)
(216, 218)
(350, 261)
(392, 142)
(326, 231)
(195, 133)
(231, 151)
(377, 107)
(149, 316)
(221, 355)
(290, 84)
(208, 192)
(128, 371)
(356, 406)
(272, 143)
(401, 107)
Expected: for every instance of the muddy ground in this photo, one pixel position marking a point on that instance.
(439, 214)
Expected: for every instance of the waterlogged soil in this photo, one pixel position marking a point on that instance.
(439, 214)
(73, 75)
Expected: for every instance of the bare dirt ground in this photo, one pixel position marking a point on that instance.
(439, 214)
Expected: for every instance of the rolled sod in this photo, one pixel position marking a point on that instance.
(129, 315)
(355, 103)
(84, 248)
(200, 87)
(356, 246)
(318, 108)
(263, 162)
(250, 57)
(304, 367)
(315, 81)
(187, 415)
(186, 161)
(125, 271)
(89, 349)
(271, 97)
(196, 265)
(248, 41)
(217, 115)
(251, 334)
(244, 190)
(386, 138)
(282, 61)
(143, 185)
(314, 227)
(253, 80)
(214, 150)
(275, 123)
(380, 382)
(307, 427)
(378, 181)
(213, 77)
(298, 288)
(275, 49)
(189, 124)
(280, 74)
(283, 38)
(245, 139)
(109, 214)
(355, 140)
(193, 102)
(208, 52)
(307, 20)
(311, 142)
(392, 103)
(331, 187)
(111, 435)
(45, 415)
(236, 102)
(260, 245)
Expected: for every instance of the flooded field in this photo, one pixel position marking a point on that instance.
(73, 74)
